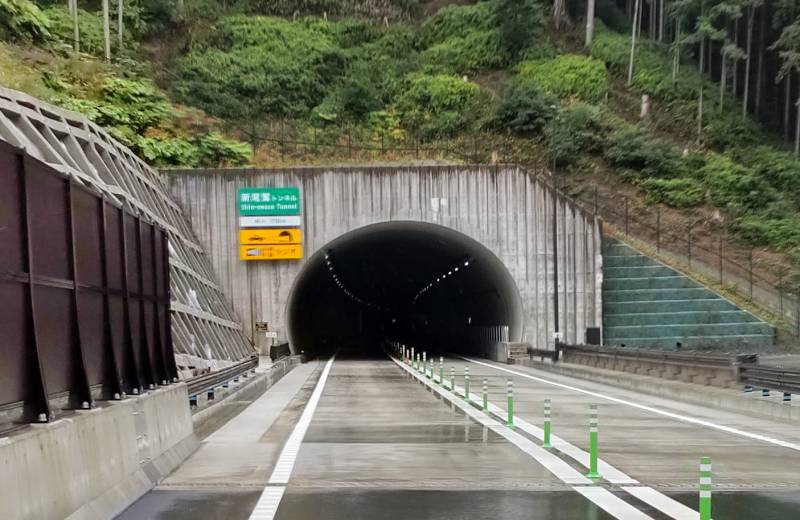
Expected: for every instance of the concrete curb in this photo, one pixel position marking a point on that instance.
(718, 398)
(255, 386)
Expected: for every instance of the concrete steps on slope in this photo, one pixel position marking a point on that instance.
(648, 304)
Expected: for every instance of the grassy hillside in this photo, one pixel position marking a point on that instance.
(486, 76)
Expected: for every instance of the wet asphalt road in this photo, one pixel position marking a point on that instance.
(381, 446)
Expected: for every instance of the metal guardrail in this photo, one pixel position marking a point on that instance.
(665, 356)
(770, 377)
(212, 380)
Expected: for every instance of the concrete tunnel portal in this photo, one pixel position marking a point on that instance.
(415, 282)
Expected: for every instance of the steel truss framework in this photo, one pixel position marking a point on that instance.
(205, 329)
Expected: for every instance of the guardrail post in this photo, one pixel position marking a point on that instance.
(547, 443)
(765, 392)
(748, 389)
(705, 488)
(485, 396)
(466, 383)
(787, 397)
(510, 391)
(593, 473)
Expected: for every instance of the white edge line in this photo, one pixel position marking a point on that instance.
(671, 415)
(665, 504)
(650, 496)
(610, 503)
(271, 496)
(603, 498)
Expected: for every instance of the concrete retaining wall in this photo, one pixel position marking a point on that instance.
(94, 464)
(505, 208)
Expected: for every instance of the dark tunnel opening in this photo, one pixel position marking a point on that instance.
(413, 282)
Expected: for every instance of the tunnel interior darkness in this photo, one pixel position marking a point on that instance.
(413, 282)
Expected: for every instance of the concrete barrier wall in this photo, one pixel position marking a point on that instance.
(677, 370)
(507, 209)
(94, 464)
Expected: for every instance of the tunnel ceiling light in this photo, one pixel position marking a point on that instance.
(466, 263)
(450, 272)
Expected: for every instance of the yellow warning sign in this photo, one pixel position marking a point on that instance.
(271, 252)
(271, 236)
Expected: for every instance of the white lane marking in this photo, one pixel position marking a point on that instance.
(553, 464)
(663, 503)
(283, 469)
(659, 501)
(609, 472)
(611, 503)
(268, 503)
(270, 499)
(671, 415)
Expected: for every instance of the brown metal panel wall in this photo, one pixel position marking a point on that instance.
(84, 299)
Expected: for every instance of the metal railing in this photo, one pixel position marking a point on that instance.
(212, 380)
(769, 377)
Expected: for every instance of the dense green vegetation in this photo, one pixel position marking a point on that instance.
(492, 68)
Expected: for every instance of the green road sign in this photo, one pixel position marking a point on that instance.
(269, 201)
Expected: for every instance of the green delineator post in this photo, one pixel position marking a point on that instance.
(593, 473)
(485, 396)
(452, 378)
(705, 488)
(510, 387)
(412, 356)
(441, 370)
(418, 362)
(546, 443)
(424, 363)
(430, 375)
(466, 383)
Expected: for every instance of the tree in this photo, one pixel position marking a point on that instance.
(560, 15)
(788, 47)
(752, 6)
(106, 31)
(704, 32)
(590, 22)
(636, 16)
(120, 24)
(731, 53)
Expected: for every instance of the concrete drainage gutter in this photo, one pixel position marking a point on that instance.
(248, 388)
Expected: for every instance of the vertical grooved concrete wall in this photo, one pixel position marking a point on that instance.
(506, 208)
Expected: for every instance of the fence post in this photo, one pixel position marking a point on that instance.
(595, 199)
(466, 383)
(750, 273)
(689, 244)
(780, 294)
(626, 216)
(720, 259)
(658, 229)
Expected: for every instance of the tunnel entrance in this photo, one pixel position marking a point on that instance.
(412, 282)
